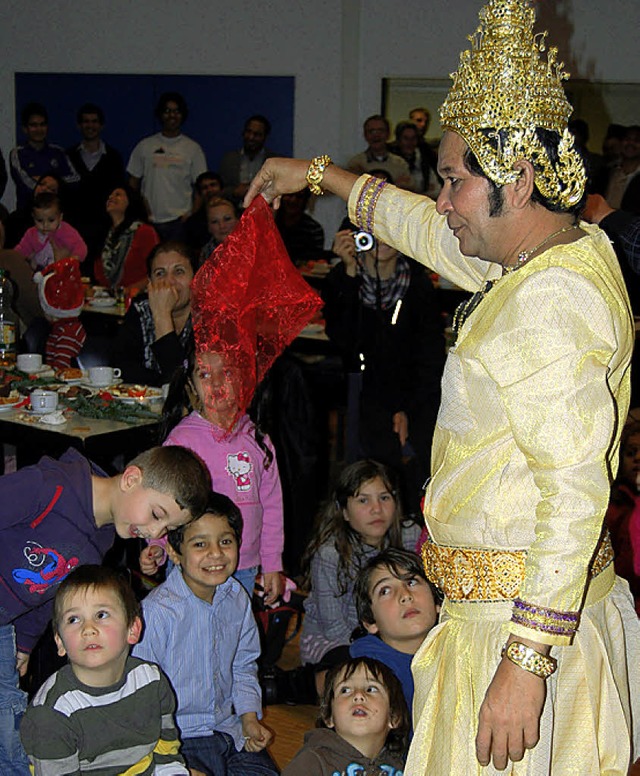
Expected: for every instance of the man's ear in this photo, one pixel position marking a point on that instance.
(61, 650)
(520, 192)
(135, 630)
(371, 627)
(130, 478)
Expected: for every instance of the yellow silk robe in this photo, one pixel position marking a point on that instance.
(534, 395)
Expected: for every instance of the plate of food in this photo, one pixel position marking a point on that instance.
(102, 301)
(11, 400)
(72, 390)
(71, 375)
(136, 394)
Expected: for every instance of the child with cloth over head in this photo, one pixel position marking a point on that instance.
(248, 303)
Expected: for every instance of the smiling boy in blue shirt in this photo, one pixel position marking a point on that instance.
(200, 629)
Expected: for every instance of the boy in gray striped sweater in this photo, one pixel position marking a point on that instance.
(106, 712)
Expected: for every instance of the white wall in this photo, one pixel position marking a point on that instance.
(338, 50)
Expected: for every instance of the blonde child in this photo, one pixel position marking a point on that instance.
(51, 238)
(241, 461)
(362, 518)
(364, 724)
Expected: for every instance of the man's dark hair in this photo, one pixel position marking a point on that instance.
(90, 109)
(33, 109)
(550, 140)
(96, 577)
(208, 176)
(378, 117)
(218, 505)
(403, 126)
(263, 120)
(168, 97)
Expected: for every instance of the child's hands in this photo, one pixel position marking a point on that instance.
(22, 663)
(151, 558)
(59, 251)
(257, 737)
(273, 583)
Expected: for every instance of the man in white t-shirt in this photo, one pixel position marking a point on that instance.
(165, 166)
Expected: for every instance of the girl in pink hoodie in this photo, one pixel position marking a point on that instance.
(201, 413)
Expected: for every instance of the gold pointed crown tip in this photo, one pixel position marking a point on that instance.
(504, 82)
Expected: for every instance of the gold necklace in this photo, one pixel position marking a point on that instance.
(524, 256)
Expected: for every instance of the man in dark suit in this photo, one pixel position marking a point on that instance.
(237, 168)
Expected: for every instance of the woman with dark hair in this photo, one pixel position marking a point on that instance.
(157, 334)
(123, 261)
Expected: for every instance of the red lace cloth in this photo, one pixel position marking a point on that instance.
(248, 301)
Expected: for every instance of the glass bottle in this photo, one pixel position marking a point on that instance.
(8, 322)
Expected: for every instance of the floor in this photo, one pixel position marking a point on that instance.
(289, 723)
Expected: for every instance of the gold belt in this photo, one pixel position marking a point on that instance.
(466, 574)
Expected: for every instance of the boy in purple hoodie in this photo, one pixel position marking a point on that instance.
(59, 514)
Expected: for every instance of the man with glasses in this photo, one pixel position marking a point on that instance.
(165, 166)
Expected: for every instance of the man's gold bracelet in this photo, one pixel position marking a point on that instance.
(315, 173)
(529, 659)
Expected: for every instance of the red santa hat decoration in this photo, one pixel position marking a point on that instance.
(60, 289)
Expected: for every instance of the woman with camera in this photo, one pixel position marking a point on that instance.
(383, 317)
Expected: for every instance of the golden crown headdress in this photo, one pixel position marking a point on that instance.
(504, 83)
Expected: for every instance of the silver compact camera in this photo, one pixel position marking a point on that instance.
(364, 241)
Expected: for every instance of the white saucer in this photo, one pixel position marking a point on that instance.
(5, 407)
(44, 371)
(86, 384)
(102, 301)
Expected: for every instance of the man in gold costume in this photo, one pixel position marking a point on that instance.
(534, 667)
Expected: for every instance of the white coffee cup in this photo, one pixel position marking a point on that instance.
(103, 375)
(43, 401)
(29, 362)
